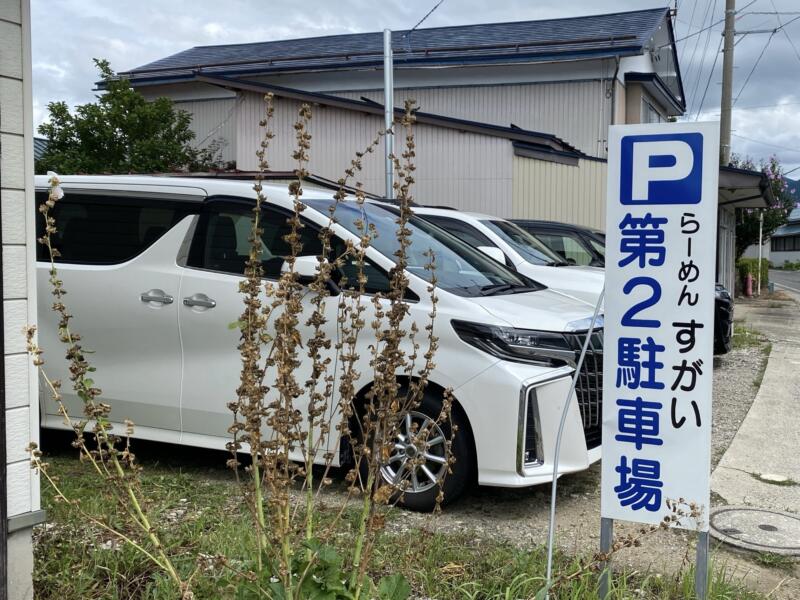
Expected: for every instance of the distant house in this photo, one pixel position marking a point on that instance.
(19, 408)
(784, 244)
(39, 146)
(513, 117)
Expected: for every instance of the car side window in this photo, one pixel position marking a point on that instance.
(568, 247)
(463, 231)
(106, 230)
(222, 240)
(377, 279)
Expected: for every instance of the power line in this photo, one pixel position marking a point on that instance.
(688, 28)
(699, 31)
(703, 55)
(786, 33)
(428, 14)
(691, 64)
(787, 148)
(708, 81)
(767, 106)
(747, 80)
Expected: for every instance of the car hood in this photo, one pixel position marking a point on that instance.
(590, 271)
(546, 310)
(583, 283)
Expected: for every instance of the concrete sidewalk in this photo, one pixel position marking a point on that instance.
(768, 441)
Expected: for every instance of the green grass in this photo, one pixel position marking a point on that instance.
(744, 337)
(776, 561)
(197, 510)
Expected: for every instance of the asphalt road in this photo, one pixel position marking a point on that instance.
(786, 280)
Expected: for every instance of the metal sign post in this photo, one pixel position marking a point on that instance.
(661, 230)
(388, 109)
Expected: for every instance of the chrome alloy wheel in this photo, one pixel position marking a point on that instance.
(419, 457)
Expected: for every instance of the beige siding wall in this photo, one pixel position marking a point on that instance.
(544, 190)
(577, 111)
(19, 298)
(213, 120)
(464, 170)
(16, 202)
(726, 247)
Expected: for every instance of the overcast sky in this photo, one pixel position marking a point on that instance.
(67, 34)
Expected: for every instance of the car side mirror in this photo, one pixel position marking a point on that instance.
(493, 252)
(571, 262)
(307, 269)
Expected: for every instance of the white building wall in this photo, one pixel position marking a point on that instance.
(213, 119)
(556, 192)
(579, 112)
(19, 304)
(779, 258)
(752, 251)
(726, 247)
(464, 170)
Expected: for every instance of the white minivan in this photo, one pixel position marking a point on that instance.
(152, 267)
(508, 243)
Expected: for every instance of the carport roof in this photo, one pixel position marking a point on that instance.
(742, 188)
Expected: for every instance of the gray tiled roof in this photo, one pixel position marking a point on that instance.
(790, 228)
(524, 41)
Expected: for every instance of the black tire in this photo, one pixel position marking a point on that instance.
(454, 483)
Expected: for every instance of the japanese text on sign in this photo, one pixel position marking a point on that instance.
(660, 275)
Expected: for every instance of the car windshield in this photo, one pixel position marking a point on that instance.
(530, 248)
(460, 269)
(600, 248)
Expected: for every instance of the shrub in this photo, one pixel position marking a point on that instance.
(745, 266)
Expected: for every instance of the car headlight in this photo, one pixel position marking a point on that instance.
(519, 345)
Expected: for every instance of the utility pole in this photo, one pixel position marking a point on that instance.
(727, 85)
(388, 109)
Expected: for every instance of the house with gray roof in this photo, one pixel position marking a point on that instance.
(784, 244)
(512, 118)
(508, 112)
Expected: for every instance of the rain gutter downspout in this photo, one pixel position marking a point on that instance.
(614, 92)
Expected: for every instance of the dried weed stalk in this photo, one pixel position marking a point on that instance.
(285, 424)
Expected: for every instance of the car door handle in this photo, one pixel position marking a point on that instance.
(156, 295)
(199, 300)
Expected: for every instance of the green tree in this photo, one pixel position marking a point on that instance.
(120, 133)
(747, 219)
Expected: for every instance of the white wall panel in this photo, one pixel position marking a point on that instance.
(555, 192)
(465, 170)
(576, 111)
(213, 120)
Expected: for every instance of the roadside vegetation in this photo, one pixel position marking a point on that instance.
(202, 514)
(273, 526)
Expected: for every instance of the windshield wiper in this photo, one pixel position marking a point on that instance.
(502, 288)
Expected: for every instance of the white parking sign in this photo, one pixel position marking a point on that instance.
(661, 226)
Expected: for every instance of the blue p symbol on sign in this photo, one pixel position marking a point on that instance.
(661, 169)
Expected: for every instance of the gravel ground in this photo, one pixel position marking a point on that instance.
(520, 516)
(736, 378)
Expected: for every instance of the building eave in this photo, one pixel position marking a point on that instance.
(375, 108)
(743, 188)
(146, 77)
(659, 90)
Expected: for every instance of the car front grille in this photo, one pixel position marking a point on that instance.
(589, 387)
(533, 438)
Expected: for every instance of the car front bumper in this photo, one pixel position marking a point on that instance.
(514, 412)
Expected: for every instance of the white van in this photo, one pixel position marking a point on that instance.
(152, 267)
(508, 243)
